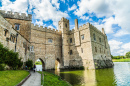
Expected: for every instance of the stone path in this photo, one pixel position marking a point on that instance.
(33, 80)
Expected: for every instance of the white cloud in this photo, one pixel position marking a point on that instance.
(20, 6)
(72, 8)
(84, 17)
(63, 1)
(51, 27)
(121, 33)
(119, 48)
(40, 23)
(44, 10)
(118, 8)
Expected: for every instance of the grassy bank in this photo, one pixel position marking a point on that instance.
(121, 60)
(53, 80)
(12, 77)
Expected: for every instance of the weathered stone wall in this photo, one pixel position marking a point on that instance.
(100, 48)
(23, 20)
(9, 40)
(44, 50)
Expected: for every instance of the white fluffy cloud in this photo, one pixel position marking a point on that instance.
(44, 10)
(119, 48)
(118, 8)
(20, 6)
(72, 8)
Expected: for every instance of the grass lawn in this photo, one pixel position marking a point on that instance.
(121, 60)
(53, 80)
(12, 77)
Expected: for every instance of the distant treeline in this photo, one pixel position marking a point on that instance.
(127, 55)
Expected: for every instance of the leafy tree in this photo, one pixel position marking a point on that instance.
(29, 63)
(127, 54)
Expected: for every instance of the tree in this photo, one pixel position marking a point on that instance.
(127, 54)
(29, 63)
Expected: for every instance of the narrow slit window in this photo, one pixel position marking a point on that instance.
(82, 37)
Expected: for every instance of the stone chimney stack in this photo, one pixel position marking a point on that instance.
(103, 31)
(76, 24)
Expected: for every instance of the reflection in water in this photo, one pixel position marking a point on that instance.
(117, 76)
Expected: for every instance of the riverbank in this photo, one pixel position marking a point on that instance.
(121, 60)
(12, 77)
(52, 80)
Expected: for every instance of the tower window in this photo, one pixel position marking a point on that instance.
(94, 37)
(17, 26)
(49, 40)
(66, 25)
(82, 37)
(70, 40)
(32, 48)
(71, 52)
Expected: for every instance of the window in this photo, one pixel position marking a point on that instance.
(71, 52)
(82, 37)
(94, 37)
(49, 40)
(100, 50)
(66, 25)
(6, 31)
(31, 48)
(82, 50)
(17, 26)
(70, 40)
(100, 40)
(95, 49)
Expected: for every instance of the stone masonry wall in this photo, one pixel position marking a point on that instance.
(44, 50)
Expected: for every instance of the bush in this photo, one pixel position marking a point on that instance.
(127, 54)
(9, 57)
(29, 63)
(82, 67)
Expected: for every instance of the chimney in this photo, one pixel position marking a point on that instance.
(76, 24)
(103, 31)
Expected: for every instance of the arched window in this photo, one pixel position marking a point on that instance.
(94, 37)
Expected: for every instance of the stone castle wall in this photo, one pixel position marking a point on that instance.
(50, 45)
(9, 40)
(23, 20)
(44, 50)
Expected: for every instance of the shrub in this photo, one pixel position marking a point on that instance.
(2, 66)
(29, 63)
(82, 67)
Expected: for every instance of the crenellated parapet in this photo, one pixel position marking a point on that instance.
(94, 28)
(16, 15)
(71, 31)
(64, 19)
(48, 30)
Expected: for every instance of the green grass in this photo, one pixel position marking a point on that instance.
(52, 80)
(12, 77)
(121, 60)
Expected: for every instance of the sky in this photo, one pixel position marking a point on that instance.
(112, 15)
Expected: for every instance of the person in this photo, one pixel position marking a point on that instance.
(34, 67)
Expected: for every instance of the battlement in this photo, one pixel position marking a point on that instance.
(84, 26)
(16, 15)
(93, 27)
(49, 30)
(72, 31)
(64, 19)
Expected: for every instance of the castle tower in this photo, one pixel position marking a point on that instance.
(64, 28)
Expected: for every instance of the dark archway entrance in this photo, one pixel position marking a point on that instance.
(57, 64)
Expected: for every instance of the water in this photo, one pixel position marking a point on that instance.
(119, 75)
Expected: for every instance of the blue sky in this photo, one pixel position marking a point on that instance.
(112, 15)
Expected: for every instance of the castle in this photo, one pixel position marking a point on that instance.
(83, 46)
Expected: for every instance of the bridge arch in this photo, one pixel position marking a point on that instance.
(57, 63)
(43, 63)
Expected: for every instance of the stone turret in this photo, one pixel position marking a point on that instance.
(103, 31)
(16, 15)
(76, 24)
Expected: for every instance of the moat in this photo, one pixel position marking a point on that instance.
(119, 75)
